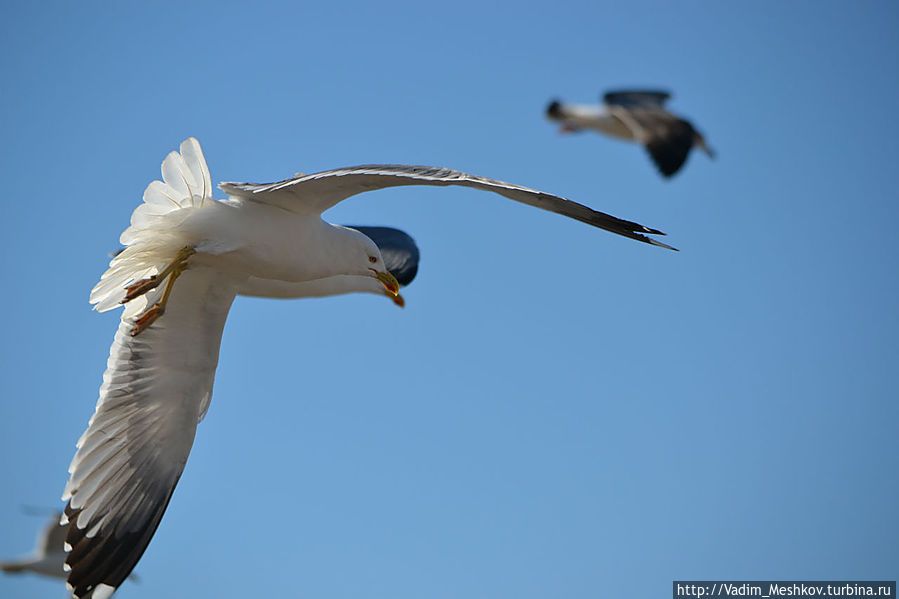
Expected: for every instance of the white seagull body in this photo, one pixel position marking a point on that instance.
(638, 116)
(265, 239)
(400, 256)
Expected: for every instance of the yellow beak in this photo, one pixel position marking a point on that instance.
(388, 281)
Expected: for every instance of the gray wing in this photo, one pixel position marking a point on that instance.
(636, 98)
(155, 389)
(398, 250)
(316, 193)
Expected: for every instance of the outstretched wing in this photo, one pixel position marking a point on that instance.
(155, 389)
(316, 193)
(667, 137)
(670, 146)
(636, 97)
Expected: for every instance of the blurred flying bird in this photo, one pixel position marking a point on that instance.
(48, 556)
(638, 116)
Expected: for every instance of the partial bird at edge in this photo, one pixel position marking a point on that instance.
(48, 557)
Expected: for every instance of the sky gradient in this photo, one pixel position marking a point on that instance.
(558, 411)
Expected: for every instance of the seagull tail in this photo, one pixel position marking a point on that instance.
(186, 184)
(150, 240)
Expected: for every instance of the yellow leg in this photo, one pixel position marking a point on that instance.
(138, 288)
(158, 309)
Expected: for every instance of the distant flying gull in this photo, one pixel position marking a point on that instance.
(637, 116)
(186, 258)
(48, 555)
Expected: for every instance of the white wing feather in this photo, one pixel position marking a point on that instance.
(155, 389)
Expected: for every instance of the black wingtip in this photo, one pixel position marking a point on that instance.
(625, 228)
(664, 245)
(636, 231)
(107, 557)
(652, 241)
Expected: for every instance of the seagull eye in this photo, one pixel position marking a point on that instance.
(372, 259)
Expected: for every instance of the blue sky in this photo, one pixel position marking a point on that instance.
(558, 412)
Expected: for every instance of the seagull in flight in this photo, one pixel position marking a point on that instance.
(186, 257)
(636, 115)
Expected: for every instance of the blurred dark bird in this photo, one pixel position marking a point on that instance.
(638, 116)
(49, 554)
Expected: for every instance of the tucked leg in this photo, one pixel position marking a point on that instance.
(158, 309)
(138, 288)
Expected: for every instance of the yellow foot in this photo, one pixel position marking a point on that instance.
(139, 288)
(146, 319)
(172, 271)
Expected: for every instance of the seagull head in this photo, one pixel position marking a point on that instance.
(366, 260)
(554, 110)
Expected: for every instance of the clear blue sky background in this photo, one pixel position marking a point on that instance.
(558, 412)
